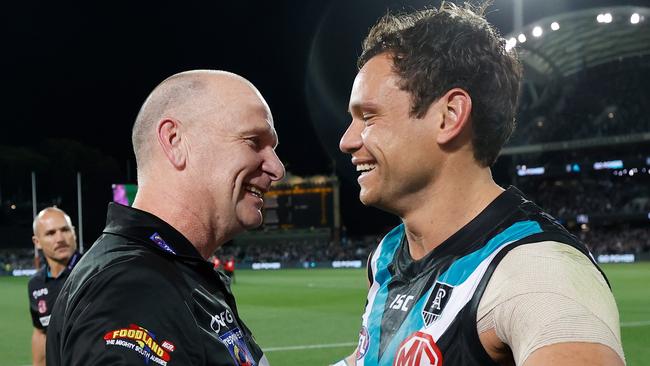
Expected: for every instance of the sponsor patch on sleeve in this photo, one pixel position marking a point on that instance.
(142, 341)
(234, 340)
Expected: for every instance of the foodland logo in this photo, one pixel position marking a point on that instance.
(419, 349)
(143, 338)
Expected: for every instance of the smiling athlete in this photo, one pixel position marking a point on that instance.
(475, 274)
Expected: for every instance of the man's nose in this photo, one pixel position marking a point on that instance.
(273, 166)
(351, 139)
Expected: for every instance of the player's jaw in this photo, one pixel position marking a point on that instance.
(369, 172)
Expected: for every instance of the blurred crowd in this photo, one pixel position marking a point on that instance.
(621, 239)
(300, 251)
(612, 100)
(618, 240)
(11, 259)
(569, 198)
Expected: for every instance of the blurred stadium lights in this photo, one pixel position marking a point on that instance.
(521, 38)
(635, 18)
(511, 43)
(555, 26)
(604, 18)
(537, 31)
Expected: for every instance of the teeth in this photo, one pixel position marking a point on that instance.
(366, 167)
(254, 190)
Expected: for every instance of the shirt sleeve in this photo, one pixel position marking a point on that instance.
(125, 315)
(548, 293)
(33, 306)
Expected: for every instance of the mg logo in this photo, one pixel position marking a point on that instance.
(419, 349)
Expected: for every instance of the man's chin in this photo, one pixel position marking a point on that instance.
(367, 198)
(251, 221)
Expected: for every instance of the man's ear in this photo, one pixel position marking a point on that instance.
(457, 106)
(170, 138)
(36, 242)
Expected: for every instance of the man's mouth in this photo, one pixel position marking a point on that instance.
(363, 168)
(254, 190)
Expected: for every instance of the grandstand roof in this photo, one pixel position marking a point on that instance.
(584, 39)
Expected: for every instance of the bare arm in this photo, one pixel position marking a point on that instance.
(38, 347)
(550, 306)
(574, 354)
(348, 361)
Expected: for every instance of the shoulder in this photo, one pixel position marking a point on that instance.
(119, 270)
(545, 267)
(550, 265)
(549, 292)
(38, 279)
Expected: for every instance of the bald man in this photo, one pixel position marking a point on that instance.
(144, 293)
(54, 235)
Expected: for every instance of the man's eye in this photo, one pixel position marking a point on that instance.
(253, 141)
(367, 117)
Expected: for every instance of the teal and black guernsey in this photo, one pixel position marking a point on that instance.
(424, 312)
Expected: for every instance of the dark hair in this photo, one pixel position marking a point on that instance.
(435, 50)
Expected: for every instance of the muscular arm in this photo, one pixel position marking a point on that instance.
(547, 304)
(38, 347)
(574, 353)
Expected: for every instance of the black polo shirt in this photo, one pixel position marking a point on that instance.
(44, 289)
(143, 295)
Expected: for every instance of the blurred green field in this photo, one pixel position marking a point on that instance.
(311, 317)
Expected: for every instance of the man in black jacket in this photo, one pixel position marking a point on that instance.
(54, 235)
(204, 143)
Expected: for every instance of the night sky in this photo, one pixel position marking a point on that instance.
(81, 70)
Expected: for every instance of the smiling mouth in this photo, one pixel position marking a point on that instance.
(364, 168)
(254, 191)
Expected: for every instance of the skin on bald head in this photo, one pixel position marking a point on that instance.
(205, 147)
(189, 97)
(47, 211)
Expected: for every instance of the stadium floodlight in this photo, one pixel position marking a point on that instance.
(604, 18)
(607, 18)
(521, 38)
(537, 31)
(511, 43)
(555, 26)
(635, 18)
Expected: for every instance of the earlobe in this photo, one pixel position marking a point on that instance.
(170, 138)
(35, 241)
(456, 116)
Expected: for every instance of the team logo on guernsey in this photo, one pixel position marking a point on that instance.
(436, 303)
(364, 341)
(419, 349)
(142, 341)
(42, 306)
(234, 340)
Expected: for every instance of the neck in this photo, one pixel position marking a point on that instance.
(56, 267)
(183, 214)
(446, 206)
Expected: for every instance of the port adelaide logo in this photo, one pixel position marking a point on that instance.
(436, 303)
